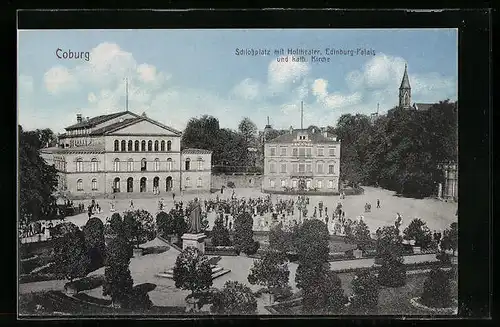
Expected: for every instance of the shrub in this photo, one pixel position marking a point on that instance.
(444, 258)
(180, 225)
(220, 234)
(87, 283)
(361, 236)
(116, 223)
(63, 229)
(324, 295)
(234, 298)
(392, 272)
(271, 271)
(437, 290)
(280, 239)
(418, 231)
(230, 184)
(72, 259)
(365, 292)
(138, 226)
(192, 271)
(94, 240)
(243, 234)
(118, 280)
(165, 223)
(450, 238)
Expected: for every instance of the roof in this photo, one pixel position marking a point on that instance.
(95, 120)
(405, 83)
(115, 126)
(423, 106)
(196, 151)
(292, 137)
(79, 149)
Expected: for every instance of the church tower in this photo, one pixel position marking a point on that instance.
(405, 91)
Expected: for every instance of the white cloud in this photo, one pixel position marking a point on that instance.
(25, 84)
(247, 89)
(59, 79)
(319, 87)
(283, 75)
(338, 100)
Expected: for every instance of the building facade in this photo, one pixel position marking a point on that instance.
(126, 152)
(302, 160)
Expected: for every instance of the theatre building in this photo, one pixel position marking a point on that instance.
(126, 152)
(302, 160)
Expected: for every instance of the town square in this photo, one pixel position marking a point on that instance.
(140, 196)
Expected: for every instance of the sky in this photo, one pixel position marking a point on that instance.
(174, 75)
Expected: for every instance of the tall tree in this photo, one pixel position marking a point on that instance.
(392, 272)
(37, 180)
(248, 129)
(200, 133)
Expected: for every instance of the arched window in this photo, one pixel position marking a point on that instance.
(200, 163)
(162, 146)
(124, 145)
(136, 148)
(94, 165)
(79, 164)
(143, 164)
(116, 165)
(157, 164)
(129, 148)
(117, 145)
(143, 145)
(169, 164)
(199, 182)
(169, 145)
(150, 145)
(156, 146)
(188, 182)
(130, 164)
(79, 185)
(94, 184)
(188, 164)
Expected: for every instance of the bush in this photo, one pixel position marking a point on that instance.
(324, 295)
(234, 298)
(138, 226)
(280, 239)
(243, 234)
(365, 293)
(87, 283)
(220, 234)
(437, 290)
(116, 223)
(63, 229)
(94, 240)
(361, 236)
(418, 231)
(192, 271)
(72, 259)
(271, 271)
(444, 258)
(165, 223)
(230, 184)
(118, 280)
(392, 272)
(450, 238)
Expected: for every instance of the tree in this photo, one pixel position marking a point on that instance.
(279, 239)
(361, 236)
(116, 224)
(325, 295)
(437, 290)
(192, 271)
(72, 259)
(62, 229)
(234, 298)
(165, 223)
(365, 293)
(392, 272)
(220, 234)
(248, 129)
(94, 240)
(180, 225)
(139, 226)
(450, 238)
(118, 281)
(243, 234)
(271, 271)
(419, 232)
(37, 180)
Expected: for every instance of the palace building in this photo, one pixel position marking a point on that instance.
(302, 160)
(126, 152)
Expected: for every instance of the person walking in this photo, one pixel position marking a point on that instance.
(378, 203)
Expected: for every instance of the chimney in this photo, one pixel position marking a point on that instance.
(78, 118)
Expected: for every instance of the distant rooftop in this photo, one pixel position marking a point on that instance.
(317, 137)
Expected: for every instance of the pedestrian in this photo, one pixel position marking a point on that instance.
(230, 225)
(378, 203)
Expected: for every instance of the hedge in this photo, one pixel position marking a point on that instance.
(86, 283)
(37, 277)
(221, 250)
(92, 300)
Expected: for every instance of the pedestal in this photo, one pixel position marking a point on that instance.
(195, 240)
(357, 253)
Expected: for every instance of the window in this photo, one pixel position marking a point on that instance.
(130, 164)
(130, 146)
(169, 145)
(302, 152)
(156, 146)
(294, 152)
(199, 182)
(157, 164)
(94, 165)
(308, 152)
(143, 146)
(136, 146)
(124, 146)
(117, 146)
(273, 151)
(309, 168)
(79, 164)
(200, 164)
(301, 168)
(162, 146)
(283, 168)
(331, 152)
(294, 183)
(79, 185)
(116, 165)
(271, 183)
(283, 152)
(283, 183)
(320, 152)
(188, 182)
(187, 164)
(143, 164)
(320, 168)
(331, 169)
(294, 167)
(272, 167)
(150, 145)
(319, 184)
(308, 183)
(94, 184)
(330, 184)
(169, 164)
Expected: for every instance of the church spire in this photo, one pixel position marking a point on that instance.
(405, 83)
(405, 91)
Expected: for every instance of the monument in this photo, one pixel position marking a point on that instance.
(195, 237)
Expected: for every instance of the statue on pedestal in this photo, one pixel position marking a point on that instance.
(195, 218)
